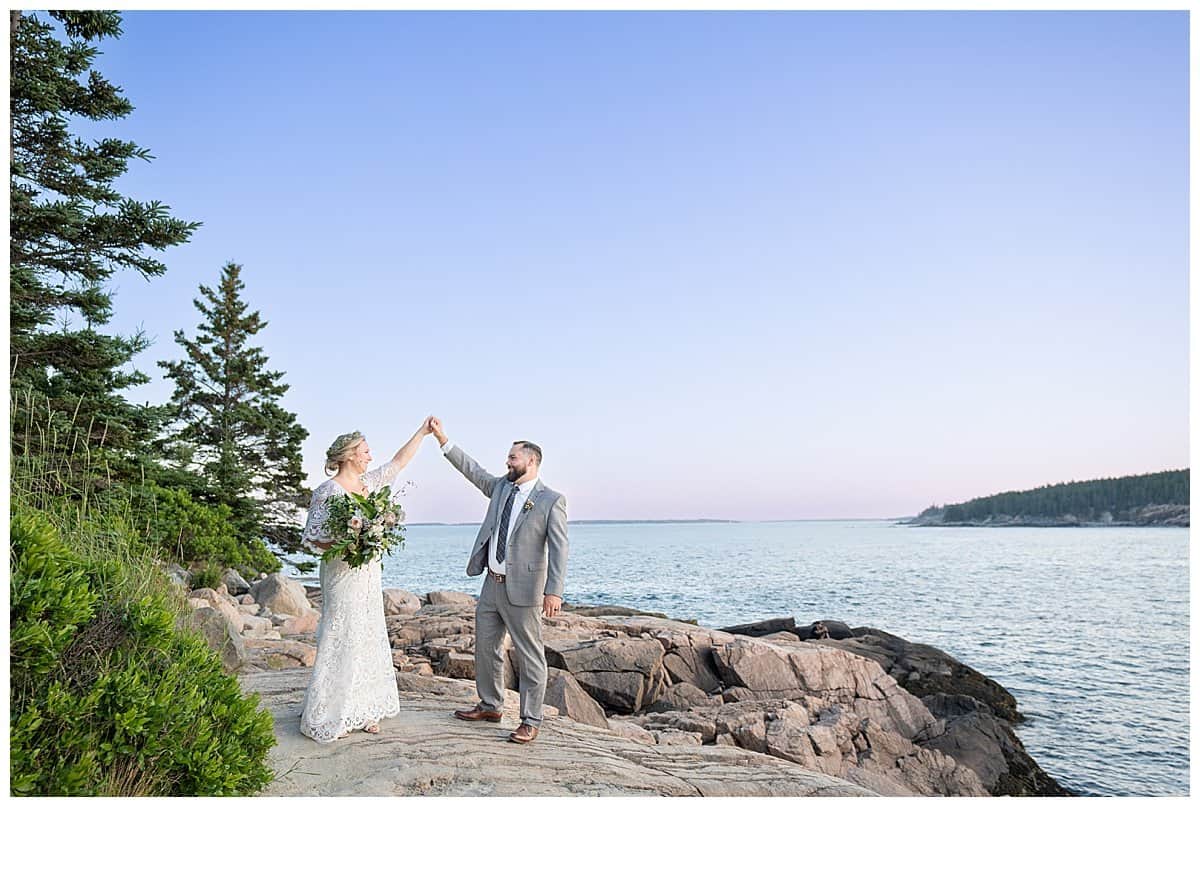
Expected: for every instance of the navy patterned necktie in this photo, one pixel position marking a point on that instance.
(502, 539)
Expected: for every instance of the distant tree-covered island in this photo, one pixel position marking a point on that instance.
(1160, 499)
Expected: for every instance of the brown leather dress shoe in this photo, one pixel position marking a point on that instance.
(524, 734)
(479, 713)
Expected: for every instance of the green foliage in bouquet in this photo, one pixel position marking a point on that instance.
(364, 526)
(108, 694)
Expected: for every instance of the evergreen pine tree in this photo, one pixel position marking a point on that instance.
(228, 422)
(70, 230)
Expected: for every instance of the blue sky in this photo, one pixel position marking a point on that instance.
(755, 266)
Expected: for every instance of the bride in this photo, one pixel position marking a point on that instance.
(353, 682)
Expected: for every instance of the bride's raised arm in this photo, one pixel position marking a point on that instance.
(403, 456)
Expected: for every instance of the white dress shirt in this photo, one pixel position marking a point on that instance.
(523, 490)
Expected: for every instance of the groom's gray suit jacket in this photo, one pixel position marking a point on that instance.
(536, 554)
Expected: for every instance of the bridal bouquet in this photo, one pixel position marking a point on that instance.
(364, 527)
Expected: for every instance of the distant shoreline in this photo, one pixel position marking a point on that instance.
(1147, 516)
(1080, 524)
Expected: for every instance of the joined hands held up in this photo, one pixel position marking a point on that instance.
(434, 425)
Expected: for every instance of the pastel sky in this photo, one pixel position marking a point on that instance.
(747, 266)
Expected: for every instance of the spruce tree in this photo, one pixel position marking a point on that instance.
(70, 231)
(228, 422)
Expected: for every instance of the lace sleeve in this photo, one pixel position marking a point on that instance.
(381, 476)
(318, 513)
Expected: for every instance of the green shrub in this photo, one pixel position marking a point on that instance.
(187, 531)
(60, 467)
(109, 696)
(208, 575)
(52, 595)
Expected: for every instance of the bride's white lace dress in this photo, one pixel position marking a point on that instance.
(353, 682)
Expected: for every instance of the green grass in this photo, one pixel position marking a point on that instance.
(111, 692)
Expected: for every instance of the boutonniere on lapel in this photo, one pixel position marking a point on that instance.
(528, 506)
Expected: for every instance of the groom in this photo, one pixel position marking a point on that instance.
(523, 546)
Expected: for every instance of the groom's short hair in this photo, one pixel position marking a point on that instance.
(531, 447)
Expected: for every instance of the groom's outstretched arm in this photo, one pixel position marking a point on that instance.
(470, 469)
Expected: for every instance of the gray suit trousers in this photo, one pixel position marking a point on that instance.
(495, 616)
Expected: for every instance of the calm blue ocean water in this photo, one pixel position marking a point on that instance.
(1087, 627)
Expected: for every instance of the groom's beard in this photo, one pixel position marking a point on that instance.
(514, 475)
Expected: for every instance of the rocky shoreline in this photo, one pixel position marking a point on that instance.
(637, 703)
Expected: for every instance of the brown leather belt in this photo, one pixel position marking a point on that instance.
(497, 576)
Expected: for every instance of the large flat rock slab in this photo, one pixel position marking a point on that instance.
(424, 751)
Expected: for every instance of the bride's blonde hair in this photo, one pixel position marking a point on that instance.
(339, 451)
